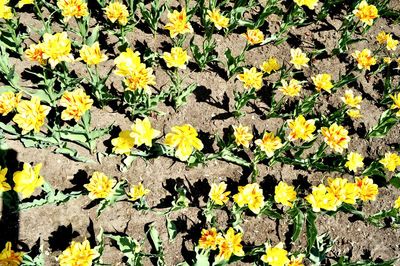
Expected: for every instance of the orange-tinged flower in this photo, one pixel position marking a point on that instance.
(35, 53)
(365, 59)
(250, 195)
(209, 239)
(141, 79)
(229, 245)
(76, 103)
(243, 136)
(292, 89)
(301, 129)
(336, 137)
(269, 143)
(336, 186)
(176, 58)
(285, 194)
(100, 186)
(184, 139)
(8, 102)
(275, 256)
(92, 55)
(254, 36)
(56, 48)
(391, 161)
(78, 254)
(218, 19)
(298, 58)
(354, 161)
(367, 189)
(117, 11)
(366, 13)
(296, 261)
(251, 78)
(323, 82)
(72, 8)
(396, 103)
(27, 180)
(9, 257)
(270, 65)
(351, 100)
(311, 4)
(218, 193)
(124, 143)
(178, 23)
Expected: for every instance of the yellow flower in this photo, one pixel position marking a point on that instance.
(301, 129)
(252, 195)
(242, 135)
(296, 261)
(76, 103)
(367, 189)
(391, 44)
(387, 60)
(230, 244)
(366, 13)
(78, 254)
(117, 11)
(323, 82)
(72, 8)
(56, 48)
(354, 113)
(5, 11)
(396, 103)
(336, 137)
(251, 78)
(285, 194)
(138, 191)
(27, 180)
(382, 37)
(124, 143)
(350, 100)
(320, 198)
(397, 203)
(292, 89)
(219, 20)
(337, 187)
(391, 161)
(365, 59)
(177, 58)
(270, 65)
(218, 193)
(100, 186)
(30, 115)
(8, 102)
(254, 36)
(92, 55)
(298, 58)
(209, 239)
(354, 161)
(184, 140)
(269, 143)
(35, 53)
(311, 4)
(178, 23)
(143, 133)
(275, 256)
(4, 186)
(127, 63)
(9, 257)
(21, 3)
(141, 79)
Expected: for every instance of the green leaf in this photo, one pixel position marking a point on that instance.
(297, 220)
(117, 195)
(130, 247)
(311, 229)
(395, 180)
(322, 245)
(172, 230)
(385, 123)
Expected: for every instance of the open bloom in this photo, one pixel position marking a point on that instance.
(311, 4)
(396, 103)
(141, 79)
(366, 13)
(275, 256)
(391, 161)
(127, 63)
(323, 82)
(209, 239)
(27, 180)
(78, 254)
(92, 55)
(250, 195)
(230, 244)
(269, 143)
(138, 191)
(285, 194)
(9, 257)
(382, 37)
(124, 143)
(116, 11)
(354, 113)
(365, 59)
(292, 88)
(31, 115)
(56, 48)
(251, 78)
(100, 186)
(219, 20)
(270, 65)
(351, 100)
(35, 53)
(243, 136)
(8, 102)
(21, 3)
(368, 190)
(296, 261)
(176, 58)
(218, 193)
(336, 137)
(301, 129)
(254, 36)
(4, 186)
(5, 10)
(178, 23)
(343, 190)
(184, 139)
(391, 44)
(73, 8)
(354, 161)
(143, 133)
(298, 58)
(320, 198)
(76, 103)
(397, 203)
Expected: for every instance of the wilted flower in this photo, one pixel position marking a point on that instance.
(311, 4)
(254, 36)
(218, 193)
(292, 89)
(8, 102)
(336, 137)
(100, 186)
(177, 58)
(323, 82)
(209, 239)
(56, 48)
(143, 133)
(269, 143)
(351, 100)
(275, 256)
(365, 59)
(124, 143)
(219, 20)
(184, 139)
(391, 161)
(270, 65)
(27, 180)
(4, 186)
(72, 8)
(92, 55)
(301, 129)
(250, 195)
(117, 11)
(178, 23)
(285, 194)
(78, 254)
(243, 136)
(368, 190)
(230, 244)
(298, 58)
(366, 13)
(251, 78)
(76, 103)
(9, 257)
(138, 191)
(354, 161)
